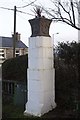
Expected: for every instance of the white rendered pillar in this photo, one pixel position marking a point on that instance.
(41, 81)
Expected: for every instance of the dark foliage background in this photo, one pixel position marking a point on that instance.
(67, 65)
(15, 68)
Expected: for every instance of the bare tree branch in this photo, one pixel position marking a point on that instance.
(65, 13)
(73, 11)
(68, 12)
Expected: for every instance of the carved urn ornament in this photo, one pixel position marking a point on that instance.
(40, 25)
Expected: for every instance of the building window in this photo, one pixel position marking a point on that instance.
(17, 53)
(1, 53)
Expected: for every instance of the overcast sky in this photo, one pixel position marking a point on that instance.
(66, 33)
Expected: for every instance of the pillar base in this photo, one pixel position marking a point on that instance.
(38, 112)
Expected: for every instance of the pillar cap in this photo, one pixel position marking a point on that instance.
(40, 26)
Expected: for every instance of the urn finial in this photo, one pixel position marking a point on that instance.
(40, 25)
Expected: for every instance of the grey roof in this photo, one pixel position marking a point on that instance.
(8, 42)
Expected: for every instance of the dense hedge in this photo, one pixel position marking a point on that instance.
(15, 68)
(67, 65)
(66, 87)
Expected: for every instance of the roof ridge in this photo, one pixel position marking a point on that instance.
(8, 42)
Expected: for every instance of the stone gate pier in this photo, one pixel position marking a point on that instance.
(41, 72)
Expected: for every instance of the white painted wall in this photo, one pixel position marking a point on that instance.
(41, 81)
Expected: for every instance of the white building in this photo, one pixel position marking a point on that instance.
(6, 48)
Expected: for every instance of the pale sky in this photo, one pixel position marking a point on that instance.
(66, 33)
